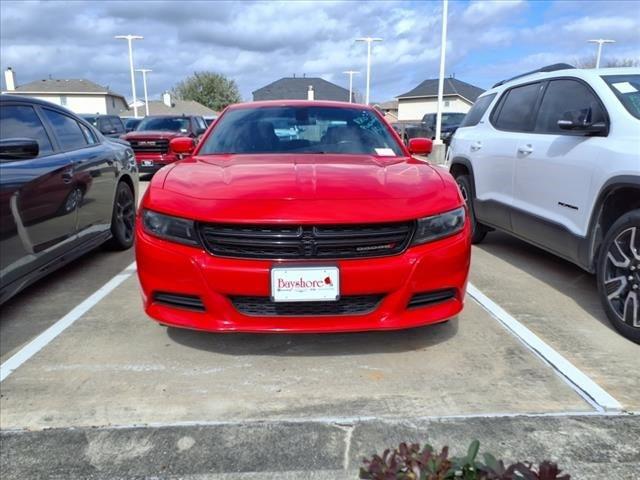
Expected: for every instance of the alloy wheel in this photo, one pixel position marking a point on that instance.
(125, 213)
(622, 276)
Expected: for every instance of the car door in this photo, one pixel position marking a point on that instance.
(37, 221)
(94, 172)
(494, 149)
(554, 168)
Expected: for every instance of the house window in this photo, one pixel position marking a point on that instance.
(63, 100)
(113, 102)
(447, 103)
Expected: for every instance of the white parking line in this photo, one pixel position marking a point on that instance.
(589, 389)
(38, 343)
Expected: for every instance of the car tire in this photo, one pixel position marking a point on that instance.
(618, 275)
(123, 218)
(478, 231)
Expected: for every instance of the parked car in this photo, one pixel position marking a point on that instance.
(427, 127)
(107, 125)
(64, 190)
(150, 139)
(338, 229)
(553, 157)
(210, 120)
(130, 123)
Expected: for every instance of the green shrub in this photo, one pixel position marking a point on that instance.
(409, 462)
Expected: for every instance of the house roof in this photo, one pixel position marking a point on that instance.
(388, 105)
(179, 107)
(295, 88)
(68, 85)
(452, 86)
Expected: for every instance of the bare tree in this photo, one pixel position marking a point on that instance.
(590, 62)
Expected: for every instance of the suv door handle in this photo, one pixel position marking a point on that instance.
(526, 149)
(476, 146)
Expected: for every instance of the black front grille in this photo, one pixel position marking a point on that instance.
(178, 300)
(306, 241)
(150, 146)
(425, 299)
(265, 307)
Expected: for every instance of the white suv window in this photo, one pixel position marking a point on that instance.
(515, 110)
(474, 115)
(568, 100)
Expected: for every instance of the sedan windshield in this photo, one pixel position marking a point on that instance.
(627, 89)
(301, 129)
(167, 124)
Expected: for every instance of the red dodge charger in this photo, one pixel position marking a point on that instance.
(301, 216)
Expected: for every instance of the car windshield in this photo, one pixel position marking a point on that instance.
(627, 89)
(301, 129)
(132, 122)
(452, 119)
(93, 120)
(168, 124)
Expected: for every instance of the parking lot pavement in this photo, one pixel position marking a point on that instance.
(559, 302)
(151, 374)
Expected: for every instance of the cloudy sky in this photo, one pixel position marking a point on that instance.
(256, 43)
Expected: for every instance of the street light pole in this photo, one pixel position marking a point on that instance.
(144, 72)
(600, 42)
(443, 50)
(129, 39)
(351, 73)
(369, 41)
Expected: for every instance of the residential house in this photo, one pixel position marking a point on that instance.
(302, 88)
(458, 96)
(170, 106)
(77, 94)
(389, 109)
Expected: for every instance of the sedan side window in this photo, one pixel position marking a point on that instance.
(88, 134)
(567, 100)
(66, 129)
(21, 121)
(515, 111)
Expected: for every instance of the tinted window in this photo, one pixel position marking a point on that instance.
(21, 121)
(301, 130)
(169, 124)
(627, 89)
(201, 124)
(117, 124)
(88, 135)
(66, 130)
(474, 115)
(567, 100)
(516, 110)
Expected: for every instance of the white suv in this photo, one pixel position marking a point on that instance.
(553, 157)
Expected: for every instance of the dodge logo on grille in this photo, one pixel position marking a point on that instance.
(146, 142)
(386, 246)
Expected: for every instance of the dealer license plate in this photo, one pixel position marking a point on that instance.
(305, 284)
(147, 163)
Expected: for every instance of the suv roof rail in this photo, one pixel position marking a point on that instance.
(548, 68)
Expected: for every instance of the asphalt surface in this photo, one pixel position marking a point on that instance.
(117, 396)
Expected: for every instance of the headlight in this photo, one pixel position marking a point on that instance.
(170, 228)
(439, 226)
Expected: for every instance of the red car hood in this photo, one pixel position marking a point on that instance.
(308, 177)
(152, 135)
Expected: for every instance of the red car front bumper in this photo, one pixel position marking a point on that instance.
(177, 269)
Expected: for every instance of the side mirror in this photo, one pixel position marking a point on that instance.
(420, 146)
(182, 146)
(598, 128)
(18, 149)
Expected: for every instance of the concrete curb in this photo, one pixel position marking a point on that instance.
(583, 446)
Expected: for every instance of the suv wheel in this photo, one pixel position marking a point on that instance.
(123, 218)
(619, 275)
(478, 231)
